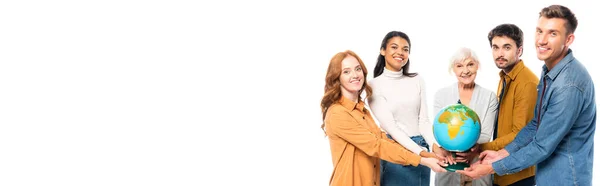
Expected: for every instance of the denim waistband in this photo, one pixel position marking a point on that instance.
(417, 139)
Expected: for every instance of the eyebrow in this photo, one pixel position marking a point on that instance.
(350, 67)
(550, 30)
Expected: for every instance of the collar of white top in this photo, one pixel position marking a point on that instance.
(392, 74)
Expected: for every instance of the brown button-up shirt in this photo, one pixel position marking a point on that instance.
(357, 145)
(516, 110)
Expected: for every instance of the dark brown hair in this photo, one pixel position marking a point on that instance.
(562, 12)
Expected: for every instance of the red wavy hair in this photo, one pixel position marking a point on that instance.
(333, 87)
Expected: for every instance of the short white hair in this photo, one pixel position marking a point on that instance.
(461, 55)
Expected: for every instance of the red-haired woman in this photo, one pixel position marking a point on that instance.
(357, 143)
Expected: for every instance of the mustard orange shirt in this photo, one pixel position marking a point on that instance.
(357, 145)
(516, 109)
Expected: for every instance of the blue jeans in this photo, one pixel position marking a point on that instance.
(395, 174)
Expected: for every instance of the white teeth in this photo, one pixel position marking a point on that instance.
(399, 58)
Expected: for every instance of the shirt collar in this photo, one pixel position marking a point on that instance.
(351, 105)
(561, 65)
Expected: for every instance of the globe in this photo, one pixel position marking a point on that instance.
(456, 128)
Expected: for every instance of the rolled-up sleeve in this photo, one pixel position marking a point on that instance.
(342, 124)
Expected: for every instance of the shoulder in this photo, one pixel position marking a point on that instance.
(445, 90)
(336, 108)
(526, 76)
(418, 78)
(375, 82)
(575, 76)
(335, 111)
(445, 94)
(484, 91)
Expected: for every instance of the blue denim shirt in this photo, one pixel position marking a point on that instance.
(560, 137)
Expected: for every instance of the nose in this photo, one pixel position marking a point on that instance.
(542, 39)
(353, 74)
(499, 54)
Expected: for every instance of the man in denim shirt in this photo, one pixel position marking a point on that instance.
(560, 137)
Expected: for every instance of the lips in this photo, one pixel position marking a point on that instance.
(399, 59)
(466, 75)
(542, 49)
(355, 81)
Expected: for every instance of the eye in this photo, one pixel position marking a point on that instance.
(494, 47)
(394, 47)
(538, 31)
(553, 34)
(359, 69)
(507, 48)
(406, 50)
(346, 71)
(471, 64)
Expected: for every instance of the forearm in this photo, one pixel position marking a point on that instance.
(426, 129)
(488, 120)
(343, 125)
(499, 143)
(403, 139)
(523, 137)
(558, 119)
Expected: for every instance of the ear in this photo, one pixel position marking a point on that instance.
(520, 51)
(570, 39)
(382, 51)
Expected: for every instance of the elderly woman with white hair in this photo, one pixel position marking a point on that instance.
(465, 65)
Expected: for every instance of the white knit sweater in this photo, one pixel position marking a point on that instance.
(399, 105)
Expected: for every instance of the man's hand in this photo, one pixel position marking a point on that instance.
(490, 156)
(477, 170)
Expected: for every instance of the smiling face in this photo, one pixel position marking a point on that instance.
(352, 77)
(552, 40)
(396, 53)
(466, 71)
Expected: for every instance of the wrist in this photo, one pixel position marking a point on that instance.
(503, 153)
(491, 168)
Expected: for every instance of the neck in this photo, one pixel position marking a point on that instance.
(552, 62)
(392, 69)
(390, 73)
(351, 96)
(469, 86)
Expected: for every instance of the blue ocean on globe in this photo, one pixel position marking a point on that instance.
(456, 128)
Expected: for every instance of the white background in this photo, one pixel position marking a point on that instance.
(214, 93)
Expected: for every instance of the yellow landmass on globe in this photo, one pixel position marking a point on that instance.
(454, 120)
